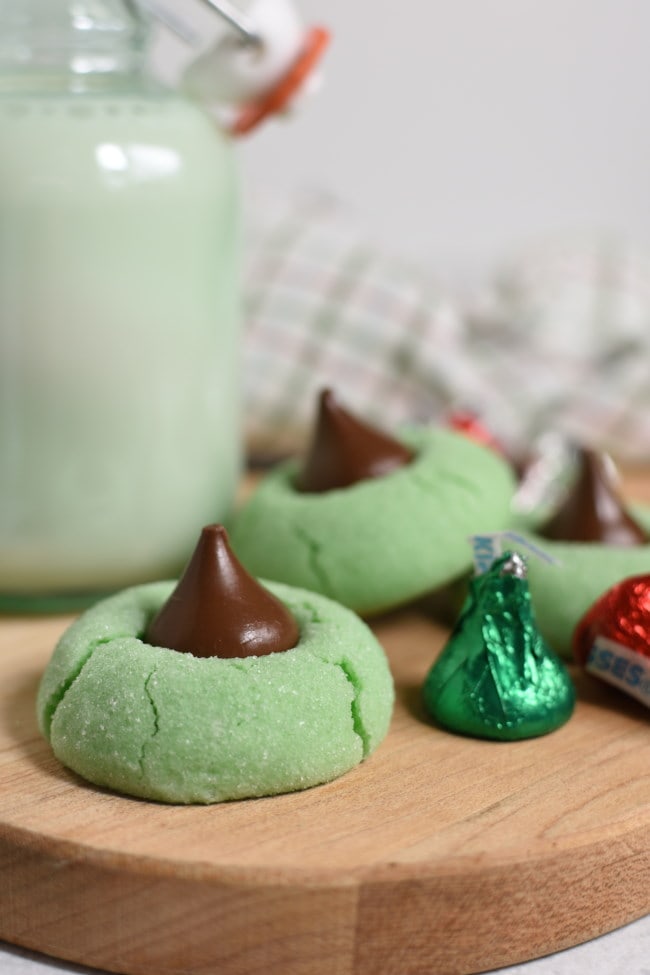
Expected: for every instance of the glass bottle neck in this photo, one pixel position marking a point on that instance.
(76, 45)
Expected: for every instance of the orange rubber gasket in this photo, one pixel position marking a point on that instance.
(317, 39)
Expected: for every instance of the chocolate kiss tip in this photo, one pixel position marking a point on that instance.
(345, 450)
(593, 510)
(219, 610)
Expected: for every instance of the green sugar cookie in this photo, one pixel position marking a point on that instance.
(168, 726)
(562, 593)
(382, 541)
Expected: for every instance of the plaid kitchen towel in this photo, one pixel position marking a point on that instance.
(558, 341)
(562, 338)
(326, 308)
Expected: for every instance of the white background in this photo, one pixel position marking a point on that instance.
(459, 131)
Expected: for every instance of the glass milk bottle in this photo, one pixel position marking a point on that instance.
(119, 385)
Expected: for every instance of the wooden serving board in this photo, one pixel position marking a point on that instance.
(439, 855)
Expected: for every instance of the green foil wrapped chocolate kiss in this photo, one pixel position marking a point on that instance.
(496, 677)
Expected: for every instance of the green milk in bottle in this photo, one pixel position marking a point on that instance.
(119, 305)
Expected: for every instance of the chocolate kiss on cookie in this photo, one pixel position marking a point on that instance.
(345, 450)
(219, 610)
(593, 511)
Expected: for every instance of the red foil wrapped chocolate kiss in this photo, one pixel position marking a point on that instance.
(467, 423)
(612, 640)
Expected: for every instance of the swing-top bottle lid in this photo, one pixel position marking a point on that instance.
(259, 68)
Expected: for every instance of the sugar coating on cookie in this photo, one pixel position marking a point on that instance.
(382, 541)
(168, 726)
(563, 592)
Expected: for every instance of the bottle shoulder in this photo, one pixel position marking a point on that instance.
(122, 117)
(126, 141)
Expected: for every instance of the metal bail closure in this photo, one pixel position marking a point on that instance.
(260, 67)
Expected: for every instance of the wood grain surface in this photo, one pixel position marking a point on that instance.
(439, 855)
